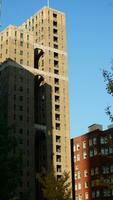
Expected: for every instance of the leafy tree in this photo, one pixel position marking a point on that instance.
(54, 188)
(10, 162)
(108, 78)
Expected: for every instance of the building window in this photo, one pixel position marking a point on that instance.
(105, 169)
(102, 140)
(97, 193)
(27, 63)
(21, 43)
(111, 168)
(21, 108)
(57, 117)
(58, 168)
(21, 61)
(55, 55)
(57, 108)
(86, 195)
(102, 151)
(76, 187)
(21, 130)
(27, 183)
(74, 148)
(79, 175)
(21, 52)
(78, 157)
(55, 39)
(78, 147)
(21, 117)
(21, 35)
(57, 90)
(54, 15)
(56, 81)
(94, 140)
(58, 139)
(80, 197)
(55, 23)
(15, 33)
(57, 99)
(84, 155)
(55, 46)
(57, 126)
(58, 158)
(95, 151)
(106, 193)
(93, 195)
(76, 167)
(58, 148)
(92, 172)
(106, 140)
(56, 63)
(56, 71)
(91, 153)
(106, 151)
(27, 45)
(55, 31)
(93, 183)
(6, 41)
(90, 142)
(96, 170)
(86, 185)
(21, 89)
(79, 186)
(84, 145)
(74, 158)
(21, 98)
(75, 176)
(14, 97)
(85, 173)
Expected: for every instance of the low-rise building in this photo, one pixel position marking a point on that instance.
(92, 164)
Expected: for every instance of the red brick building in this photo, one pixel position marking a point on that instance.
(92, 164)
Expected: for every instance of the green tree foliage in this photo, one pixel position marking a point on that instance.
(10, 163)
(108, 78)
(53, 188)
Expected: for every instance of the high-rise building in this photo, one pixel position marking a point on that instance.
(92, 164)
(48, 27)
(39, 46)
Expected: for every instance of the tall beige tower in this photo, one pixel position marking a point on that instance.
(46, 30)
(49, 29)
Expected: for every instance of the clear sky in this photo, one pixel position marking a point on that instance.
(90, 49)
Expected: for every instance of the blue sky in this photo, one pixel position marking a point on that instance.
(90, 49)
